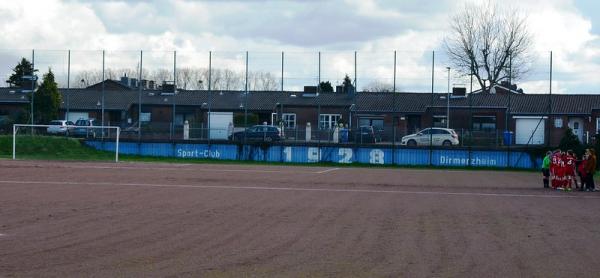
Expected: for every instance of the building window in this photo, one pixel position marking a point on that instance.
(145, 117)
(328, 121)
(484, 123)
(375, 123)
(558, 122)
(439, 121)
(597, 125)
(289, 120)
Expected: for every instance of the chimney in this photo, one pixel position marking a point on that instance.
(310, 89)
(459, 91)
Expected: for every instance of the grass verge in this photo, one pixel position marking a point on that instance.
(72, 149)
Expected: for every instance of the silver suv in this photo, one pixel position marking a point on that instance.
(436, 136)
(60, 127)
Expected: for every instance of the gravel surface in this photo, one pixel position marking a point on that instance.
(72, 219)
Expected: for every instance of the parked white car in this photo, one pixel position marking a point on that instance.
(60, 127)
(437, 136)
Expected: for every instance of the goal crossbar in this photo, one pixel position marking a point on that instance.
(16, 128)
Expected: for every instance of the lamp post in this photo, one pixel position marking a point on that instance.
(204, 104)
(448, 101)
(276, 119)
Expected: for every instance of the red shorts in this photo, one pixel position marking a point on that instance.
(570, 172)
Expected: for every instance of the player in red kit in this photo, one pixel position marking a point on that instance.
(554, 168)
(560, 172)
(570, 170)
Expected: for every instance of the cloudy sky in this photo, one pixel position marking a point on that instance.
(414, 28)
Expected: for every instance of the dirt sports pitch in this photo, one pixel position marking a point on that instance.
(201, 220)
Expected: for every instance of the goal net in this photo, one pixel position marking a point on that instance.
(61, 141)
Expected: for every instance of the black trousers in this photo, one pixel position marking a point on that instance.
(546, 173)
(589, 181)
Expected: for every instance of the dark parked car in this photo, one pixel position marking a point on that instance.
(130, 129)
(266, 133)
(86, 132)
(365, 134)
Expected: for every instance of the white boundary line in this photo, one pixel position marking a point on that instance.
(432, 193)
(328, 170)
(188, 169)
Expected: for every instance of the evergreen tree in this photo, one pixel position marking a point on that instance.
(570, 142)
(325, 87)
(24, 68)
(47, 100)
(347, 85)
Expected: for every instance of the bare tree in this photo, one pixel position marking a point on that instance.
(192, 78)
(86, 78)
(485, 39)
(262, 81)
(378, 86)
(161, 75)
(231, 80)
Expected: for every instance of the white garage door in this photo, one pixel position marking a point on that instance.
(219, 124)
(530, 131)
(74, 116)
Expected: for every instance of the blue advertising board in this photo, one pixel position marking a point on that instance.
(313, 154)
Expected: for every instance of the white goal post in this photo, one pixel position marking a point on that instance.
(16, 129)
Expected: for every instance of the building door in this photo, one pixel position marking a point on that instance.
(530, 131)
(413, 124)
(576, 124)
(219, 124)
(74, 116)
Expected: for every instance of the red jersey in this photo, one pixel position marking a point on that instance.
(570, 164)
(555, 162)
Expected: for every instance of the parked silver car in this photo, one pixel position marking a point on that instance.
(60, 127)
(436, 136)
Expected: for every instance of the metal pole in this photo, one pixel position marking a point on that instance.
(103, 91)
(209, 92)
(394, 122)
(174, 91)
(394, 90)
(471, 115)
(549, 103)
(32, 85)
(509, 104)
(68, 83)
(355, 74)
(140, 97)
(431, 106)
(318, 129)
(14, 142)
(282, 71)
(395, 117)
(448, 101)
(117, 145)
(246, 97)
(319, 99)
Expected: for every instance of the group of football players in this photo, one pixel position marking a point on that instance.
(563, 169)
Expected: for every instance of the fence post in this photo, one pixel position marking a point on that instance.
(186, 130)
(14, 141)
(308, 132)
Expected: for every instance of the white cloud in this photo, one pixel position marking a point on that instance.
(301, 28)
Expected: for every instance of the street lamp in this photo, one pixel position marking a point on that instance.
(204, 104)
(448, 101)
(276, 119)
(350, 109)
